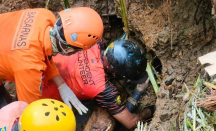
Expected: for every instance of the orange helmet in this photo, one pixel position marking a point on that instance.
(82, 27)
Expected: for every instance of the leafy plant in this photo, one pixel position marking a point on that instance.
(196, 118)
(67, 4)
(47, 4)
(151, 77)
(124, 16)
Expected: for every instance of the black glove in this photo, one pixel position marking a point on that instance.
(132, 101)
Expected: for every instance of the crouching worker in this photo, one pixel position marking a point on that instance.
(29, 38)
(88, 73)
(40, 115)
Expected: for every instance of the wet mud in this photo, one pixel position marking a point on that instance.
(174, 34)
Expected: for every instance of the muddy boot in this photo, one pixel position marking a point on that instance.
(5, 97)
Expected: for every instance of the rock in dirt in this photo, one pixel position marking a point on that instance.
(100, 120)
(165, 116)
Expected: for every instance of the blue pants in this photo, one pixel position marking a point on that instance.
(2, 102)
(5, 97)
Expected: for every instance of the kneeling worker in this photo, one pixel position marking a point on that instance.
(89, 73)
(28, 40)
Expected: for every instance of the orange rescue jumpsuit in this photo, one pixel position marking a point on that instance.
(26, 50)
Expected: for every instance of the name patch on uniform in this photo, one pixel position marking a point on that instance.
(24, 30)
(84, 68)
(3, 129)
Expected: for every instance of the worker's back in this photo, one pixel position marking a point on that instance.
(24, 49)
(21, 39)
(83, 73)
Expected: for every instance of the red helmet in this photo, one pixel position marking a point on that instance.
(82, 27)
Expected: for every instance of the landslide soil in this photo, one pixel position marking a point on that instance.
(173, 31)
(178, 32)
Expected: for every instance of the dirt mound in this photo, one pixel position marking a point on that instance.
(178, 32)
(174, 32)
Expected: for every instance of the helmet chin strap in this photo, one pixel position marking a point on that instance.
(62, 43)
(57, 30)
(106, 64)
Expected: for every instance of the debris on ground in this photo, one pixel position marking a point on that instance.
(175, 34)
(100, 120)
(199, 113)
(210, 60)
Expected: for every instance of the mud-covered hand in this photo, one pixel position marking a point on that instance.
(143, 86)
(68, 97)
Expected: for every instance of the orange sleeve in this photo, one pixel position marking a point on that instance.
(28, 84)
(51, 71)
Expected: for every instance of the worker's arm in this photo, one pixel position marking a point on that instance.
(132, 101)
(68, 96)
(66, 93)
(127, 119)
(58, 80)
(28, 84)
(130, 120)
(110, 99)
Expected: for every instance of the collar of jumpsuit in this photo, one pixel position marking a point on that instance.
(48, 47)
(53, 41)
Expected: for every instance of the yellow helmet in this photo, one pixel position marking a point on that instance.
(47, 115)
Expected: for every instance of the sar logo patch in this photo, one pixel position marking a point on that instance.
(111, 45)
(118, 100)
(24, 30)
(3, 129)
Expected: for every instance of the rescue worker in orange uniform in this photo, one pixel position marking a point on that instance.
(29, 38)
(89, 73)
